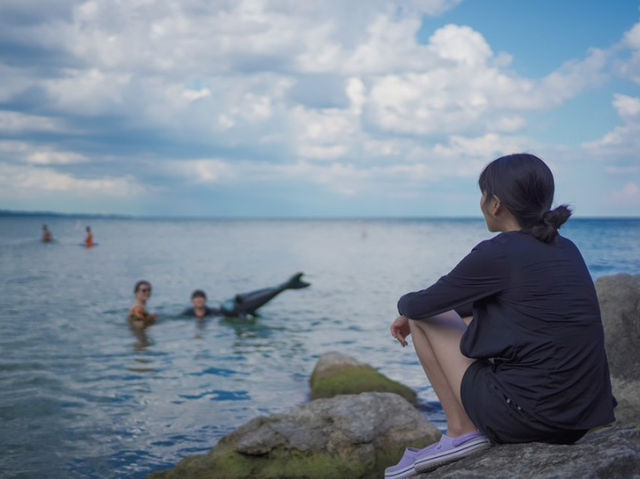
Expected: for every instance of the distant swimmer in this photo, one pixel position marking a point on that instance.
(88, 241)
(241, 305)
(139, 317)
(47, 236)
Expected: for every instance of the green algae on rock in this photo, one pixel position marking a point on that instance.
(336, 373)
(345, 437)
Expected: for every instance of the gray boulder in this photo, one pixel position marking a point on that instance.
(349, 436)
(607, 453)
(619, 298)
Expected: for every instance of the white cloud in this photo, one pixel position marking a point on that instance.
(460, 44)
(626, 106)
(485, 147)
(632, 37)
(508, 124)
(324, 134)
(388, 45)
(12, 122)
(206, 171)
(467, 92)
(623, 141)
(23, 152)
(630, 67)
(31, 182)
(194, 95)
(55, 158)
(89, 92)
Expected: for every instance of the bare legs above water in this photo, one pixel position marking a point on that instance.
(437, 344)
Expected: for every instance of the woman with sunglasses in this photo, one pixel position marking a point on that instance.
(139, 317)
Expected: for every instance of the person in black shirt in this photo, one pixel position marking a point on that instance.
(200, 308)
(511, 339)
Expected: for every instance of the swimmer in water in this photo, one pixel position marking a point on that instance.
(241, 305)
(47, 237)
(88, 241)
(200, 308)
(139, 317)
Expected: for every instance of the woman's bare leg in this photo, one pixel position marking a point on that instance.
(438, 348)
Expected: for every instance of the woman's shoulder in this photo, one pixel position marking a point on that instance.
(525, 245)
(499, 241)
(506, 245)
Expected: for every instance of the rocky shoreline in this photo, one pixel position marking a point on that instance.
(359, 422)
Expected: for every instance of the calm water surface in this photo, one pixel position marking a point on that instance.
(81, 396)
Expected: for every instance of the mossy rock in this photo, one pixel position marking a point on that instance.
(336, 374)
(224, 462)
(230, 464)
(346, 437)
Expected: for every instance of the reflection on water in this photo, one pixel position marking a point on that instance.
(85, 396)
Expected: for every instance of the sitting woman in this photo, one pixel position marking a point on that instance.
(139, 317)
(511, 339)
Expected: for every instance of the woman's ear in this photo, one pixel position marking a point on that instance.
(496, 206)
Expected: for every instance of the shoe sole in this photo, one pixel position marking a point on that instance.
(446, 457)
(403, 474)
(408, 470)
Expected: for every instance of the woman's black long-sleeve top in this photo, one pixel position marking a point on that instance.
(536, 315)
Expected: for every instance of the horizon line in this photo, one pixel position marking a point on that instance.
(10, 213)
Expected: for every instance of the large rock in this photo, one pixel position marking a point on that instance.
(619, 298)
(607, 453)
(336, 373)
(350, 437)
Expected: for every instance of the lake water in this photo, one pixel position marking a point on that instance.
(81, 396)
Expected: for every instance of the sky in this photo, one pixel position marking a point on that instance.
(327, 108)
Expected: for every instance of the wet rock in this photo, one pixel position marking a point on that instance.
(336, 373)
(348, 436)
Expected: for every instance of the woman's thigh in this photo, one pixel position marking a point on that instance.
(444, 333)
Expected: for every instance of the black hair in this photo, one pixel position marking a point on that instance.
(524, 184)
(198, 293)
(140, 283)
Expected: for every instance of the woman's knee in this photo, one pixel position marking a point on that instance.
(420, 339)
(415, 327)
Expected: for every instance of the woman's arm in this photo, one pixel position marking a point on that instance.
(482, 273)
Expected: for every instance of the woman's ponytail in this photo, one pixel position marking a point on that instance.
(547, 228)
